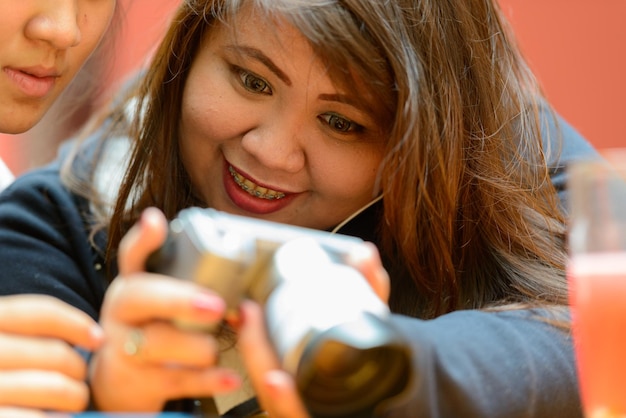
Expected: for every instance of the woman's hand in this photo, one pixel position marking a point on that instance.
(39, 368)
(275, 388)
(146, 359)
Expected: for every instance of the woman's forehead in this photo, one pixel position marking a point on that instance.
(268, 24)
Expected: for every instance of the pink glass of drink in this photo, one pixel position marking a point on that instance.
(597, 280)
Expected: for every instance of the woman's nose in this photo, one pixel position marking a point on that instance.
(278, 146)
(56, 24)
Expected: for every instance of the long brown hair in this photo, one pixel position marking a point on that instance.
(470, 216)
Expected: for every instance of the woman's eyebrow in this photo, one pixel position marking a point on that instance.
(258, 55)
(341, 98)
(349, 100)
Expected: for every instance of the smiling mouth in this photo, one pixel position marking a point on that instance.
(254, 189)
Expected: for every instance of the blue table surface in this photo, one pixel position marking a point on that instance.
(125, 415)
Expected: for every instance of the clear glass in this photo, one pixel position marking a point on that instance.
(597, 281)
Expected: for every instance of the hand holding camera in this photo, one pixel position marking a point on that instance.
(328, 327)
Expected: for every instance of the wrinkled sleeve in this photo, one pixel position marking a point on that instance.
(488, 364)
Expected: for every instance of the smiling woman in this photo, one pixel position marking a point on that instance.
(413, 124)
(277, 126)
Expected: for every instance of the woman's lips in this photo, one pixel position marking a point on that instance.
(252, 188)
(252, 197)
(35, 86)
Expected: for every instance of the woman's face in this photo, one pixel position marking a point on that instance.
(43, 44)
(265, 132)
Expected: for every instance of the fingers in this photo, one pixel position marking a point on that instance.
(191, 383)
(19, 352)
(141, 240)
(275, 388)
(367, 260)
(28, 413)
(283, 396)
(161, 343)
(29, 326)
(45, 316)
(257, 353)
(147, 385)
(149, 297)
(42, 390)
(148, 353)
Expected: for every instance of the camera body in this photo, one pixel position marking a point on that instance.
(329, 329)
(232, 254)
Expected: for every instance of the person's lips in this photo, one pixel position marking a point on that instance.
(252, 196)
(252, 188)
(36, 82)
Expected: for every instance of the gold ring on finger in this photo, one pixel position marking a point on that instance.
(134, 343)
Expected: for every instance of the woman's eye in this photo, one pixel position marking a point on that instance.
(253, 83)
(340, 124)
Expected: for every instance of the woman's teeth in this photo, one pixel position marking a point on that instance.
(253, 189)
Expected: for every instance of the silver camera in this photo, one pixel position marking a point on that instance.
(329, 329)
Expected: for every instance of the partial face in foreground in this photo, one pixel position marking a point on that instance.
(266, 133)
(43, 44)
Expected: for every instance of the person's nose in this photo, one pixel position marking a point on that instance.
(56, 24)
(277, 144)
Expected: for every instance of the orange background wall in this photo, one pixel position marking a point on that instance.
(577, 48)
(145, 21)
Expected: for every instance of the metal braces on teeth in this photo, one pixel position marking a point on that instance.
(236, 176)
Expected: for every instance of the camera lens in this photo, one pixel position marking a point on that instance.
(350, 369)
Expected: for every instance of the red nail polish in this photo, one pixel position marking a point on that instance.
(230, 380)
(208, 303)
